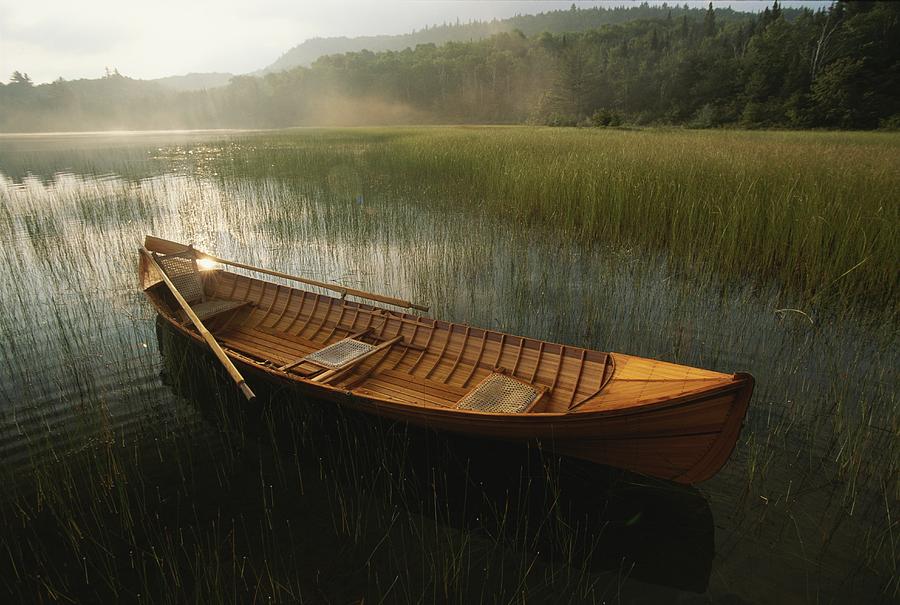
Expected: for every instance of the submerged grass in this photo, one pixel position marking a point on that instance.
(773, 253)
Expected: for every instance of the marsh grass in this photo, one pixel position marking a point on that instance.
(718, 249)
(815, 212)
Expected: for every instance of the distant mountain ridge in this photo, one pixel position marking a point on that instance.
(194, 81)
(307, 52)
(555, 22)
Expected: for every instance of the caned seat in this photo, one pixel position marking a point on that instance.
(340, 354)
(501, 394)
(181, 268)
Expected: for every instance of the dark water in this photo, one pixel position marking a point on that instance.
(133, 472)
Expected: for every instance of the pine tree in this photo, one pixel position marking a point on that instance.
(22, 79)
(709, 22)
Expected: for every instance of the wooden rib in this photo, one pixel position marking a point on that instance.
(369, 322)
(443, 350)
(518, 355)
(424, 348)
(562, 354)
(387, 319)
(578, 377)
(261, 293)
(462, 349)
(338, 322)
(412, 340)
(356, 381)
(247, 292)
(287, 330)
(537, 364)
(234, 282)
(272, 306)
(499, 351)
(312, 314)
(477, 359)
(338, 325)
(283, 311)
(325, 315)
(609, 366)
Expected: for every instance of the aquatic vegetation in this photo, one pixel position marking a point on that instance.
(131, 467)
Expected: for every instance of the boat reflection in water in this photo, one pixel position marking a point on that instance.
(564, 512)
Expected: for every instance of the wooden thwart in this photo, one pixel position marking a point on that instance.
(326, 376)
(303, 359)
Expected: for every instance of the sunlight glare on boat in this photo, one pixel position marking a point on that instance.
(206, 264)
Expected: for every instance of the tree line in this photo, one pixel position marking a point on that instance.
(833, 68)
(557, 21)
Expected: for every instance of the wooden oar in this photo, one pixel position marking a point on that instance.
(166, 246)
(220, 354)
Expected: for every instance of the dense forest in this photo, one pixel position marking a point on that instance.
(559, 21)
(834, 68)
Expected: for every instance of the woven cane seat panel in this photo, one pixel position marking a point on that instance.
(183, 273)
(499, 394)
(339, 354)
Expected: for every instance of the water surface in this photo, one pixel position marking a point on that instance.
(132, 472)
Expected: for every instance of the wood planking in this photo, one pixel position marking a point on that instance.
(271, 305)
(460, 359)
(304, 311)
(531, 351)
(296, 315)
(474, 366)
(319, 324)
(412, 340)
(466, 353)
(287, 304)
(462, 349)
(266, 346)
(308, 317)
(666, 457)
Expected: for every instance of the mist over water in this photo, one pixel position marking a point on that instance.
(117, 443)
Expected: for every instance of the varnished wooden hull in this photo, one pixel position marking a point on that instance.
(646, 416)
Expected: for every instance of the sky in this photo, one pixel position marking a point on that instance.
(155, 38)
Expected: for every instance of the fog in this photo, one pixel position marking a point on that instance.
(50, 39)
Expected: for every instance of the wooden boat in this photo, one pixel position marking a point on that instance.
(647, 416)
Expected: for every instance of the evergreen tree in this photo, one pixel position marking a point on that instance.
(709, 21)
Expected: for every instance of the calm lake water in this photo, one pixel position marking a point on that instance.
(132, 472)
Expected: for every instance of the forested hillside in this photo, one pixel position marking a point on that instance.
(835, 68)
(562, 21)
